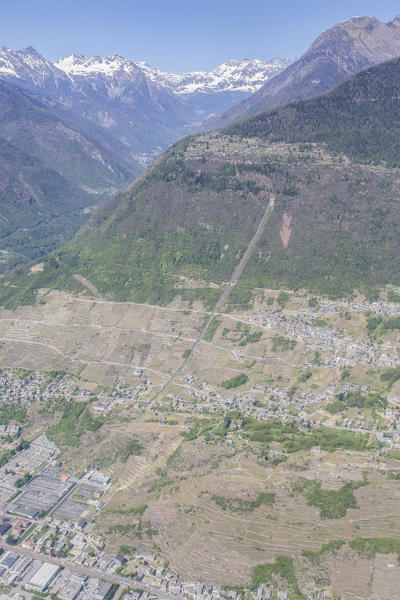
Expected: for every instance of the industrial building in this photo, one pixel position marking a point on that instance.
(43, 577)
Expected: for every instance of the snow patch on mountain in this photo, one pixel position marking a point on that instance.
(244, 76)
(28, 65)
(110, 66)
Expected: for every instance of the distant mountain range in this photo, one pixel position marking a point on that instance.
(144, 108)
(217, 90)
(140, 118)
(336, 54)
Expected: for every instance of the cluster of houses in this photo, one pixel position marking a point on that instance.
(343, 352)
(150, 570)
(29, 387)
(52, 536)
(389, 309)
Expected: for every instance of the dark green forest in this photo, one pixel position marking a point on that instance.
(359, 118)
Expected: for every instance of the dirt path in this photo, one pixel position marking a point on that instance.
(88, 285)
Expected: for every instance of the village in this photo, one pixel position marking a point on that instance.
(344, 352)
(25, 387)
(47, 517)
(50, 545)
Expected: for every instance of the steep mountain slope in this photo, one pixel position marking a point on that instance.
(137, 117)
(212, 92)
(335, 225)
(140, 118)
(86, 127)
(28, 70)
(116, 95)
(343, 50)
(49, 171)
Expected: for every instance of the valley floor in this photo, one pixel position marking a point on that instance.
(275, 437)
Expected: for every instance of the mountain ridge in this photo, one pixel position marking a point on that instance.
(224, 86)
(337, 53)
(108, 108)
(182, 98)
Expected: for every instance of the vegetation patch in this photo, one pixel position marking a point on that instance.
(356, 399)
(200, 427)
(12, 412)
(126, 550)
(281, 343)
(282, 567)
(131, 448)
(393, 296)
(333, 504)
(377, 325)
(390, 376)
(163, 481)
(234, 382)
(369, 547)
(212, 328)
(250, 338)
(239, 505)
(294, 440)
(137, 530)
(76, 420)
(330, 547)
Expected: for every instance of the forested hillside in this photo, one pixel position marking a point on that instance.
(330, 163)
(49, 172)
(360, 118)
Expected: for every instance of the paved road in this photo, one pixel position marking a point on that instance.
(64, 497)
(63, 562)
(224, 296)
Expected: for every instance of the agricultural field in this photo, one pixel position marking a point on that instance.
(264, 445)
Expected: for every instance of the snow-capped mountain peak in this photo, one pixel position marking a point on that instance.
(7, 65)
(244, 76)
(233, 76)
(144, 108)
(28, 65)
(74, 65)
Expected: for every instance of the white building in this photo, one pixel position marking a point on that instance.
(43, 577)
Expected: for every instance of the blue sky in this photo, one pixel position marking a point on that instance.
(177, 35)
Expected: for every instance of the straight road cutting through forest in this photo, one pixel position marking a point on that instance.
(224, 296)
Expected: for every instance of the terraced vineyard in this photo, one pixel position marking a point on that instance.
(178, 495)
